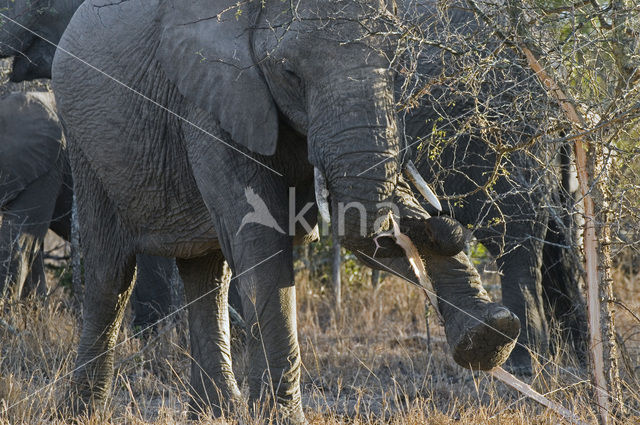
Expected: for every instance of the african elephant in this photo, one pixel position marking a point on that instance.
(35, 188)
(204, 120)
(36, 192)
(528, 244)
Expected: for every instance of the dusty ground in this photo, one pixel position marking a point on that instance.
(369, 364)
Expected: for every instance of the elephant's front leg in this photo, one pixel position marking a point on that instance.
(249, 206)
(260, 254)
(206, 284)
(264, 266)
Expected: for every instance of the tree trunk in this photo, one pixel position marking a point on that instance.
(596, 237)
(597, 165)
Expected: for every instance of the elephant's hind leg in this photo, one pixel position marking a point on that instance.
(11, 265)
(36, 280)
(109, 265)
(206, 285)
(107, 290)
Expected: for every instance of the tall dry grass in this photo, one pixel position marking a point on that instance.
(371, 363)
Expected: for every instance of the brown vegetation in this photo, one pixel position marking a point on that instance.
(370, 364)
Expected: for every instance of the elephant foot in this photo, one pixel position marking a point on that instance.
(216, 403)
(81, 401)
(484, 341)
(291, 415)
(90, 384)
(283, 413)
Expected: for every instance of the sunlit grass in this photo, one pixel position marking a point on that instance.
(370, 363)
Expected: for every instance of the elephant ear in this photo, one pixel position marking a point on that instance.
(205, 51)
(30, 141)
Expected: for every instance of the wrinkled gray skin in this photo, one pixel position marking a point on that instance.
(36, 192)
(467, 163)
(32, 58)
(149, 182)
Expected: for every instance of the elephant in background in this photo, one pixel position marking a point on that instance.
(33, 54)
(36, 192)
(36, 188)
(513, 218)
(259, 103)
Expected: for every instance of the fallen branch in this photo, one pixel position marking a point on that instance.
(504, 376)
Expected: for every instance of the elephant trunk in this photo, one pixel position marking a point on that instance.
(354, 142)
(357, 148)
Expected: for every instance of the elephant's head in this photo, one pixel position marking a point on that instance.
(27, 31)
(328, 65)
(324, 67)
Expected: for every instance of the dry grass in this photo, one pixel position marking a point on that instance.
(370, 364)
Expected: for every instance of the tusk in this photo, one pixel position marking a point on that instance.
(422, 185)
(322, 193)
